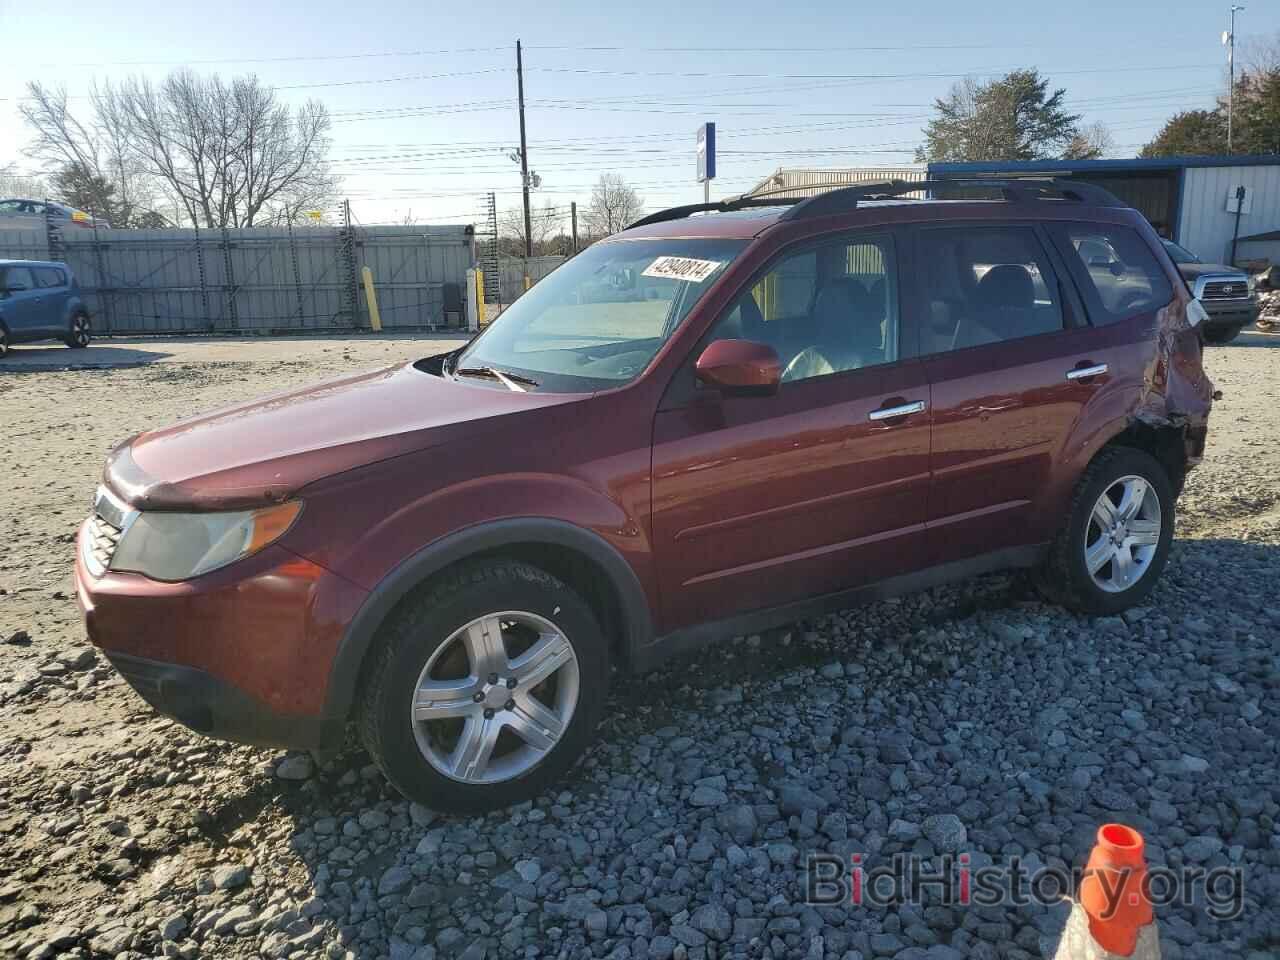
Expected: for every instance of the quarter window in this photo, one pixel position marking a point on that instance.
(825, 310)
(1115, 269)
(986, 285)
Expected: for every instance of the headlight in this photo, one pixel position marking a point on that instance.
(178, 546)
(1252, 283)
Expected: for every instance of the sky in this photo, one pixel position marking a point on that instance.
(423, 95)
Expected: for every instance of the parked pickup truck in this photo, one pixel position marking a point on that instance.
(1226, 292)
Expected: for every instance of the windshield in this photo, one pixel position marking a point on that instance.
(1180, 254)
(598, 320)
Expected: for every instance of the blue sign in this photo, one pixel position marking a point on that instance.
(706, 152)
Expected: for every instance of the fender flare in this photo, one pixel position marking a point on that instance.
(344, 673)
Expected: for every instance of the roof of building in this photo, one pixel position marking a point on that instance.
(1103, 166)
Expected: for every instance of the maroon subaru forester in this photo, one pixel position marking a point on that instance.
(725, 418)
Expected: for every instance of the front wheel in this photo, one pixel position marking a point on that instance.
(79, 336)
(1116, 540)
(486, 688)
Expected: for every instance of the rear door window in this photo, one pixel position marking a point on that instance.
(1114, 268)
(48, 277)
(985, 285)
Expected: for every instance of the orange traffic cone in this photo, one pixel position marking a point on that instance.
(1113, 917)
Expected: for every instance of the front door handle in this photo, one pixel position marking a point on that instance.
(1082, 373)
(902, 410)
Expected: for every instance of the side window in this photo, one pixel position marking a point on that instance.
(19, 277)
(985, 285)
(827, 309)
(1115, 270)
(49, 277)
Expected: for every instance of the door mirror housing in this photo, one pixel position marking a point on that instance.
(740, 368)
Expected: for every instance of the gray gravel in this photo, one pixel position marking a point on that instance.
(972, 718)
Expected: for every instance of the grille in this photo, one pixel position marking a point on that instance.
(103, 538)
(1226, 290)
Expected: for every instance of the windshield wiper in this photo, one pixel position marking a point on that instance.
(511, 381)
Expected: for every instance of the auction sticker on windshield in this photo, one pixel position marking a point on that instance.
(681, 268)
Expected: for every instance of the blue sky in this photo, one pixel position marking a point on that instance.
(423, 95)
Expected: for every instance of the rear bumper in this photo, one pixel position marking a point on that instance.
(213, 707)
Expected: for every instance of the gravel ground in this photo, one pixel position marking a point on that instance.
(972, 718)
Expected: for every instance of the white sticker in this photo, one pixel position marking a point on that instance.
(681, 268)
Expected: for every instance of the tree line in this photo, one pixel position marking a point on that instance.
(190, 150)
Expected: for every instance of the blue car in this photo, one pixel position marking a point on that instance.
(40, 300)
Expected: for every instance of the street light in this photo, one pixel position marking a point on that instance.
(1229, 41)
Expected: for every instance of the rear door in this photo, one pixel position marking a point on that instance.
(1011, 362)
(760, 501)
(54, 290)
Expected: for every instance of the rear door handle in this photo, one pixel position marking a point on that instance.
(1081, 373)
(902, 410)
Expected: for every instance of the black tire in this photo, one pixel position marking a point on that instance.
(1064, 577)
(80, 334)
(4, 341)
(421, 626)
(1217, 336)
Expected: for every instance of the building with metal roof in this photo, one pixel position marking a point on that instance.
(1195, 201)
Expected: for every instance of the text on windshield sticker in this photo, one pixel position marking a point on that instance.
(681, 268)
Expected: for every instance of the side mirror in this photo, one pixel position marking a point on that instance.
(1116, 268)
(740, 368)
(15, 288)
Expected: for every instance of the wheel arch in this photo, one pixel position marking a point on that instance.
(579, 557)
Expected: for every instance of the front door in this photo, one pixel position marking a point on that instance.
(22, 303)
(760, 501)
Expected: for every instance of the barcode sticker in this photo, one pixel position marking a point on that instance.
(681, 268)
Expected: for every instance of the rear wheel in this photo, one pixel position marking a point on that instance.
(1116, 541)
(80, 334)
(1217, 336)
(485, 689)
(4, 341)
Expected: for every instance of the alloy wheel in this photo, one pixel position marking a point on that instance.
(80, 330)
(496, 697)
(1122, 534)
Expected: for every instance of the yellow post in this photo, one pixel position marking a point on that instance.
(375, 320)
(480, 295)
(527, 282)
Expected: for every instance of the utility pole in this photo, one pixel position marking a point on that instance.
(1229, 38)
(524, 156)
(573, 216)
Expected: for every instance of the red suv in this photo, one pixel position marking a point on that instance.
(705, 425)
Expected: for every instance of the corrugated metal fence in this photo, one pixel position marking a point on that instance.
(261, 279)
(513, 269)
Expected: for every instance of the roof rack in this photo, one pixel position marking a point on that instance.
(845, 198)
(1017, 190)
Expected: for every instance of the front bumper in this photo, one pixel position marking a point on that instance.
(213, 707)
(1231, 313)
(243, 653)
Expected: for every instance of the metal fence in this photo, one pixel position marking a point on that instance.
(514, 269)
(260, 279)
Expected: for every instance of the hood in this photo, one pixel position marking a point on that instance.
(1193, 271)
(267, 450)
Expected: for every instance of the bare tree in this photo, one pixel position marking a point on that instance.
(15, 184)
(92, 152)
(230, 152)
(613, 205)
(1090, 143)
(544, 224)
